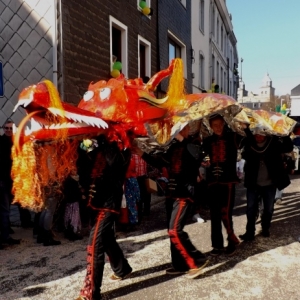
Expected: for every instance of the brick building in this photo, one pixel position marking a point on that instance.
(72, 42)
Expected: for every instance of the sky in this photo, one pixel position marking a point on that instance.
(268, 40)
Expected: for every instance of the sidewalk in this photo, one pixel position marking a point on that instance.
(267, 268)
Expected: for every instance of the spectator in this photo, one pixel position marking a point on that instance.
(264, 172)
(72, 197)
(45, 234)
(6, 184)
(132, 193)
(141, 175)
(51, 195)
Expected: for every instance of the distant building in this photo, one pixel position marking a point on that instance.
(214, 48)
(254, 101)
(295, 101)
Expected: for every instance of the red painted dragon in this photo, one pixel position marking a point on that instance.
(45, 144)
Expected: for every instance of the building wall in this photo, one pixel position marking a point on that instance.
(175, 17)
(201, 45)
(86, 41)
(216, 39)
(26, 49)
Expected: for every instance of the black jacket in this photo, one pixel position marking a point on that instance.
(182, 161)
(109, 166)
(5, 158)
(271, 153)
(222, 151)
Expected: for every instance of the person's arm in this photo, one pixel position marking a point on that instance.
(286, 144)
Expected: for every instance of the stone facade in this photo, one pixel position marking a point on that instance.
(26, 39)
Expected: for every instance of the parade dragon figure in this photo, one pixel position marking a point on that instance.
(45, 145)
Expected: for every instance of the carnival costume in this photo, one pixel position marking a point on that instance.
(106, 190)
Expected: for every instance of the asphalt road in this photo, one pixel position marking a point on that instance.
(267, 268)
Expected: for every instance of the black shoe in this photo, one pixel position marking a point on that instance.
(230, 250)
(265, 233)
(51, 242)
(11, 241)
(216, 252)
(246, 237)
(48, 239)
(72, 236)
(40, 235)
(11, 231)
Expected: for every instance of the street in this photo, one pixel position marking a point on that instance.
(267, 268)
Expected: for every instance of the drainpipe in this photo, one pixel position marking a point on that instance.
(54, 43)
(57, 39)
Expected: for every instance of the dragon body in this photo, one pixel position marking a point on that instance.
(45, 144)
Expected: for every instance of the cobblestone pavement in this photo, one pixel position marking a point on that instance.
(267, 268)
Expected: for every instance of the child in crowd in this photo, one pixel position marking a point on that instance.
(72, 197)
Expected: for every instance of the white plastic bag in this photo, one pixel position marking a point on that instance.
(123, 203)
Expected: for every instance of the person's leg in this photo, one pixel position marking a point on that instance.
(46, 221)
(145, 203)
(118, 262)
(25, 217)
(227, 200)
(102, 240)
(268, 196)
(252, 208)
(216, 217)
(4, 212)
(132, 194)
(184, 254)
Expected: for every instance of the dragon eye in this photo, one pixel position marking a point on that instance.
(105, 93)
(88, 95)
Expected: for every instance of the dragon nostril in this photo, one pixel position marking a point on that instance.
(98, 114)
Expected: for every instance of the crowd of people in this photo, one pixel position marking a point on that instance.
(196, 174)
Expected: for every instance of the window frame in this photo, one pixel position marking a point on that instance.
(114, 23)
(147, 44)
(201, 70)
(182, 46)
(202, 15)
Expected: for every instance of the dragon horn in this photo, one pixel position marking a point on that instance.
(158, 77)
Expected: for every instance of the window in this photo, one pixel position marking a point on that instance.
(218, 30)
(213, 15)
(218, 78)
(201, 16)
(118, 44)
(222, 81)
(222, 38)
(225, 44)
(177, 50)
(174, 50)
(213, 68)
(225, 86)
(201, 71)
(144, 62)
